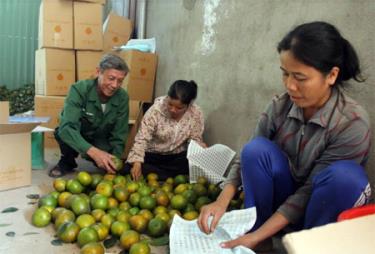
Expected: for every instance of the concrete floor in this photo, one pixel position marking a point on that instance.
(38, 240)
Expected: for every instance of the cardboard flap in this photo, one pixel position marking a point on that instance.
(11, 128)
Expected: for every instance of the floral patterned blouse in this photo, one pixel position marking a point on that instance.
(159, 133)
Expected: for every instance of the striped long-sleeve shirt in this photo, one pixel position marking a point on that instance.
(338, 131)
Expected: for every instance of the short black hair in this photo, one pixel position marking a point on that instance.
(184, 91)
(320, 45)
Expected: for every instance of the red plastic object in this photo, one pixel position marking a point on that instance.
(356, 212)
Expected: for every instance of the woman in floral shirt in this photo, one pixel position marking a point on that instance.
(161, 142)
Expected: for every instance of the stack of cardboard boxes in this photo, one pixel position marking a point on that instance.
(72, 40)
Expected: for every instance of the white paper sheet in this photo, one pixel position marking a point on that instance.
(186, 237)
(211, 162)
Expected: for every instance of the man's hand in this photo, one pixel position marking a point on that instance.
(136, 171)
(102, 159)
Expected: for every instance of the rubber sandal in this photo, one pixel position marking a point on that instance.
(56, 172)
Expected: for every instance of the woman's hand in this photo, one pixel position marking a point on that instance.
(249, 241)
(136, 171)
(216, 210)
(102, 159)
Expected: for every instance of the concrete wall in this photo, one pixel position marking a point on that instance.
(229, 48)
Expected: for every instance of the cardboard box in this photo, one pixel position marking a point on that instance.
(54, 71)
(55, 24)
(4, 111)
(93, 1)
(15, 152)
(117, 31)
(349, 236)
(88, 31)
(86, 62)
(140, 80)
(49, 106)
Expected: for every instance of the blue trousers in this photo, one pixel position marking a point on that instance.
(267, 183)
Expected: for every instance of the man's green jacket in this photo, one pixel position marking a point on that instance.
(83, 123)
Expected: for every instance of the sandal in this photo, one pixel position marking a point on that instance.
(56, 172)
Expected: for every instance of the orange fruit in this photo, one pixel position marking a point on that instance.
(178, 202)
(190, 196)
(80, 205)
(105, 188)
(85, 220)
(134, 210)
(156, 227)
(201, 201)
(147, 202)
(123, 216)
(59, 184)
(180, 188)
(68, 232)
(163, 216)
(92, 248)
(96, 179)
(202, 180)
(118, 227)
(189, 207)
(160, 209)
(120, 193)
(99, 201)
(152, 177)
(153, 184)
(119, 164)
(84, 178)
(41, 217)
(138, 223)
(144, 190)
(74, 186)
(173, 212)
(87, 235)
(200, 189)
(147, 214)
(191, 215)
(102, 230)
(167, 187)
(113, 211)
(98, 214)
(124, 206)
(162, 198)
(120, 180)
(55, 194)
(213, 191)
(132, 187)
(180, 179)
(109, 177)
(140, 248)
(63, 217)
(112, 203)
(169, 180)
(47, 200)
(134, 198)
(63, 197)
(57, 211)
(128, 238)
(107, 220)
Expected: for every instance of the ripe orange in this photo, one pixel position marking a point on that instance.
(105, 188)
(125, 206)
(178, 202)
(163, 216)
(107, 220)
(152, 177)
(160, 209)
(87, 235)
(85, 220)
(57, 211)
(162, 198)
(147, 214)
(118, 227)
(102, 230)
(120, 180)
(74, 186)
(63, 198)
(191, 215)
(132, 187)
(41, 217)
(156, 227)
(79, 205)
(138, 223)
(128, 238)
(120, 193)
(59, 184)
(98, 214)
(112, 203)
(84, 178)
(99, 201)
(140, 248)
(147, 202)
(92, 248)
(144, 190)
(63, 217)
(134, 198)
(123, 216)
(68, 232)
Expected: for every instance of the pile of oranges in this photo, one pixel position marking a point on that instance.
(91, 208)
